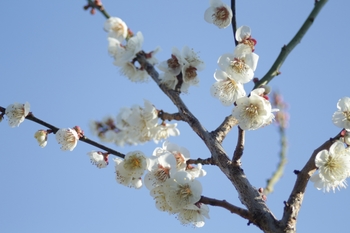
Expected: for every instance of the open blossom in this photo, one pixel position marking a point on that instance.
(226, 89)
(98, 158)
(194, 214)
(191, 66)
(341, 118)
(218, 14)
(164, 130)
(174, 64)
(160, 169)
(187, 63)
(333, 167)
(181, 154)
(134, 73)
(129, 171)
(132, 47)
(254, 111)
(16, 113)
(183, 190)
(116, 28)
(41, 137)
(68, 138)
(243, 36)
(240, 65)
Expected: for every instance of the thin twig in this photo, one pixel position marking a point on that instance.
(282, 122)
(99, 7)
(208, 161)
(54, 129)
(275, 69)
(234, 22)
(168, 116)
(224, 204)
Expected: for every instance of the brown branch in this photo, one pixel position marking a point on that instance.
(249, 196)
(239, 147)
(292, 206)
(184, 113)
(208, 161)
(220, 133)
(275, 68)
(226, 205)
(54, 129)
(168, 116)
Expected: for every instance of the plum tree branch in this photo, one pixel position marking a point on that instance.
(54, 129)
(220, 133)
(224, 204)
(286, 49)
(239, 147)
(293, 205)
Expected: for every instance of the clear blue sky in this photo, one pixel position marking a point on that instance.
(54, 55)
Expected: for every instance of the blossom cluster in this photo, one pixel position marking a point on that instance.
(334, 164)
(172, 183)
(236, 69)
(180, 71)
(134, 126)
(123, 46)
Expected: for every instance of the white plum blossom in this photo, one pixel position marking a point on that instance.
(254, 111)
(243, 33)
(226, 89)
(183, 190)
(16, 113)
(158, 193)
(187, 63)
(134, 126)
(333, 167)
(41, 137)
(160, 169)
(341, 117)
(116, 50)
(129, 171)
(134, 74)
(116, 28)
(191, 65)
(197, 171)
(164, 130)
(181, 153)
(174, 64)
(98, 159)
(243, 36)
(132, 47)
(240, 65)
(218, 14)
(68, 138)
(194, 214)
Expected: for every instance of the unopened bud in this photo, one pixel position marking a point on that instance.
(267, 89)
(41, 137)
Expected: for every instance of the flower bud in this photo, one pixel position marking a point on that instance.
(41, 137)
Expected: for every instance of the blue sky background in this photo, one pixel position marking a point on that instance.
(54, 55)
